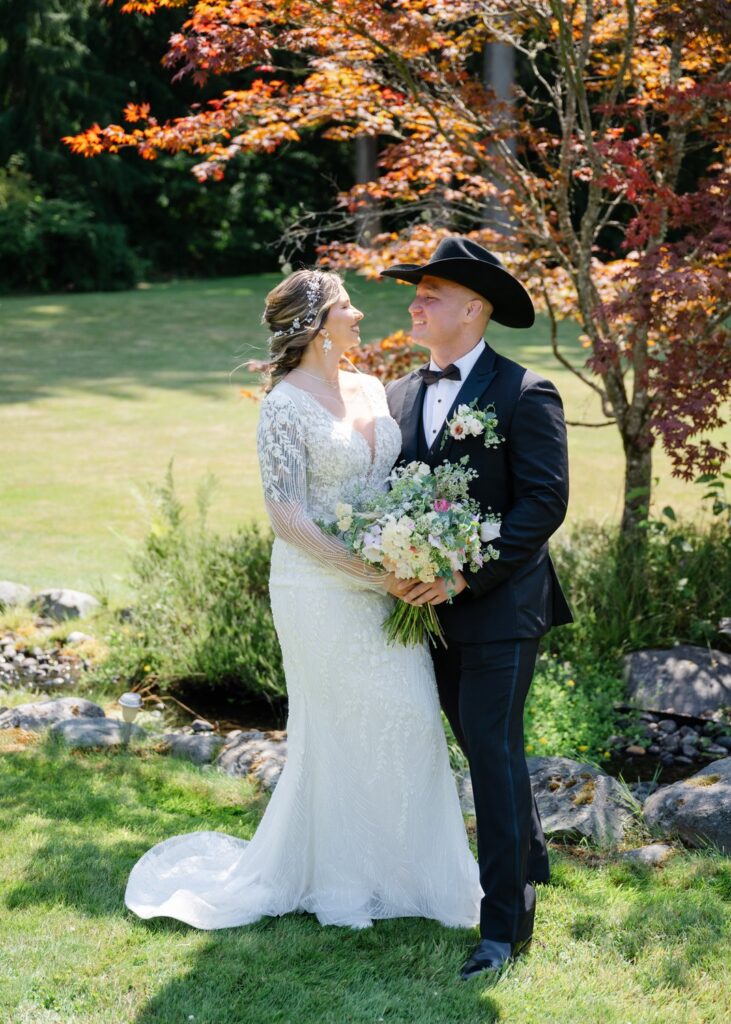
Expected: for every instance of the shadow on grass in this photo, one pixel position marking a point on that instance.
(675, 916)
(291, 969)
(80, 864)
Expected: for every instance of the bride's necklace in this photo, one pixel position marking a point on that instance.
(322, 380)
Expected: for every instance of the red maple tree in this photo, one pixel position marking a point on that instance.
(603, 179)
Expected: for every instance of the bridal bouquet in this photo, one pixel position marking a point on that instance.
(426, 526)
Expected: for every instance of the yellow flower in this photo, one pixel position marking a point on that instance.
(571, 682)
(542, 739)
(606, 754)
(529, 747)
(146, 668)
(582, 748)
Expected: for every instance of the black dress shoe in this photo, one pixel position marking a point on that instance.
(491, 956)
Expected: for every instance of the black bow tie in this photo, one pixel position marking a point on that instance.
(450, 372)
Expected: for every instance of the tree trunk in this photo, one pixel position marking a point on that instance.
(366, 169)
(637, 481)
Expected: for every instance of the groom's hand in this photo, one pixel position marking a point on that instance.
(415, 592)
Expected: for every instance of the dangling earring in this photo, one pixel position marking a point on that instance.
(326, 340)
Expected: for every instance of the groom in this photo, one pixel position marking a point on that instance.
(498, 614)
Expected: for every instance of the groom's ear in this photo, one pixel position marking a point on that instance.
(478, 309)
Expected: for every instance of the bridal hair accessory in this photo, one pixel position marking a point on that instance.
(326, 340)
(299, 323)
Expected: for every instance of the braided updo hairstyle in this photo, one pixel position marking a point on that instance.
(295, 311)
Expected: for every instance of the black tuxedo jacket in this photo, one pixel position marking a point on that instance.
(525, 479)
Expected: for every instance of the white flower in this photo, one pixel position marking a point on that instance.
(345, 523)
(343, 509)
(489, 531)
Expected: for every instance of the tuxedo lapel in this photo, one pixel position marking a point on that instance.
(411, 415)
(474, 387)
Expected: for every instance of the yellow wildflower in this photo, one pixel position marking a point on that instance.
(571, 682)
(542, 739)
(583, 747)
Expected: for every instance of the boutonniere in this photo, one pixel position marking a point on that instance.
(469, 421)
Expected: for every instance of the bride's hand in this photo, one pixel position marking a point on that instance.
(415, 592)
(395, 586)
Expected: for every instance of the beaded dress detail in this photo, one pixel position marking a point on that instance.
(364, 822)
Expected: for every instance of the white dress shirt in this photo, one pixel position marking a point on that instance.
(440, 396)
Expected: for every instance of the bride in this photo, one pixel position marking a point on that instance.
(365, 821)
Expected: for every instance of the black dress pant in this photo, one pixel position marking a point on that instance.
(482, 689)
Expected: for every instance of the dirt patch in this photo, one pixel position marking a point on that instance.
(703, 780)
(585, 795)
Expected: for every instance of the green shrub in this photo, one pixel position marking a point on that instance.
(570, 710)
(51, 244)
(669, 587)
(201, 623)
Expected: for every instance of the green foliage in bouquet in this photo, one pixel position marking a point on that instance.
(201, 621)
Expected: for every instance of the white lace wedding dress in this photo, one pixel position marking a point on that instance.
(365, 821)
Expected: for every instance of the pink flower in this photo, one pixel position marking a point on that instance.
(442, 505)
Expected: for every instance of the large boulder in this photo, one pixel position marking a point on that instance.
(255, 753)
(41, 714)
(697, 808)
(200, 748)
(59, 604)
(12, 594)
(96, 732)
(685, 680)
(577, 799)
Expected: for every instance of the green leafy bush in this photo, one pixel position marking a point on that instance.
(670, 587)
(201, 622)
(570, 710)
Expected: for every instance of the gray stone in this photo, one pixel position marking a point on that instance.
(59, 604)
(685, 680)
(697, 808)
(40, 714)
(200, 748)
(466, 796)
(670, 742)
(576, 799)
(715, 750)
(688, 735)
(199, 725)
(682, 759)
(13, 594)
(724, 627)
(77, 637)
(249, 754)
(724, 741)
(96, 732)
(668, 725)
(689, 750)
(654, 854)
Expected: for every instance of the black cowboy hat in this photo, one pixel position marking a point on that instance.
(467, 263)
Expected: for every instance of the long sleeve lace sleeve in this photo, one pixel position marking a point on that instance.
(282, 461)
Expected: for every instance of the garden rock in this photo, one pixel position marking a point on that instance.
(253, 753)
(59, 604)
(12, 594)
(466, 796)
(697, 808)
(40, 714)
(576, 799)
(200, 748)
(686, 680)
(77, 637)
(96, 732)
(654, 854)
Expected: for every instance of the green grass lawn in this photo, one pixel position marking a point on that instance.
(98, 392)
(618, 944)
